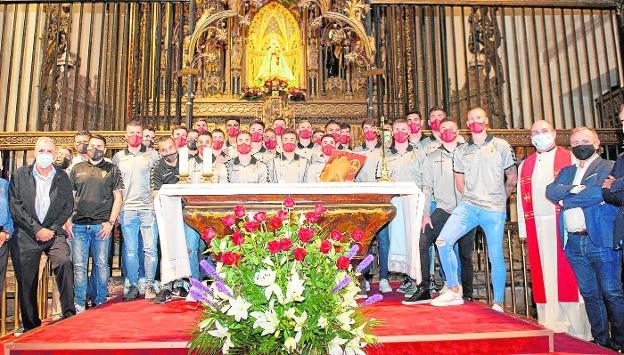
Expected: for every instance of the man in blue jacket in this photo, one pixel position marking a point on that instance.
(6, 228)
(586, 230)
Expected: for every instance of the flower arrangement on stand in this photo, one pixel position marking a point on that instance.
(251, 93)
(275, 85)
(296, 94)
(282, 284)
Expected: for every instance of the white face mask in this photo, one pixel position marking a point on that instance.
(543, 141)
(44, 160)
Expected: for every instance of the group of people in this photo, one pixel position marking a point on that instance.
(571, 209)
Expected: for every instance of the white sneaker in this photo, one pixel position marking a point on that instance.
(384, 286)
(444, 288)
(448, 298)
(498, 308)
(366, 285)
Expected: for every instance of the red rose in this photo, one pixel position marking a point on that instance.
(300, 254)
(228, 220)
(357, 235)
(336, 235)
(260, 217)
(237, 238)
(305, 234)
(274, 246)
(326, 246)
(208, 234)
(239, 211)
(275, 222)
(282, 214)
(312, 217)
(319, 209)
(250, 226)
(289, 202)
(285, 244)
(342, 262)
(230, 258)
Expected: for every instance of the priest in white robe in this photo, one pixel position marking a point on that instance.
(555, 291)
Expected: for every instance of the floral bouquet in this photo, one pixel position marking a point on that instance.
(296, 94)
(281, 285)
(251, 93)
(275, 84)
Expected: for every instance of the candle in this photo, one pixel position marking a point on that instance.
(184, 160)
(207, 165)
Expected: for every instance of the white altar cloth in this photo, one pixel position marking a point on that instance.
(168, 206)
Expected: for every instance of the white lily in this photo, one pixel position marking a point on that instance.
(220, 332)
(274, 289)
(322, 322)
(294, 289)
(300, 321)
(266, 320)
(290, 313)
(265, 277)
(238, 308)
(354, 347)
(227, 345)
(267, 260)
(291, 343)
(346, 320)
(335, 346)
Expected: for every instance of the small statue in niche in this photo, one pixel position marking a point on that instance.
(334, 60)
(236, 52)
(313, 55)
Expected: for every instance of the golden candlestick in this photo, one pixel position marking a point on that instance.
(208, 178)
(385, 175)
(184, 179)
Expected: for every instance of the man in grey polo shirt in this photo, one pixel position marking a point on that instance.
(137, 217)
(486, 173)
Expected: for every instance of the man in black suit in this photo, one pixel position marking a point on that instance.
(41, 201)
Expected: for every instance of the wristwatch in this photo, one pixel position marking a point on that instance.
(111, 223)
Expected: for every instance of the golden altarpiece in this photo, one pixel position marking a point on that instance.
(319, 48)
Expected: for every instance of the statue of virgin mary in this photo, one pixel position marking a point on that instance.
(274, 64)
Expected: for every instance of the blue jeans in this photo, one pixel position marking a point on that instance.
(135, 225)
(383, 245)
(598, 272)
(192, 244)
(85, 243)
(463, 219)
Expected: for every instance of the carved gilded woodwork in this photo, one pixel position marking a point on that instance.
(541, 3)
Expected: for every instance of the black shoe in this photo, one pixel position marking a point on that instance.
(617, 347)
(133, 293)
(421, 296)
(180, 292)
(163, 296)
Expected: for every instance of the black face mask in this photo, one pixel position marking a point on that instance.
(192, 144)
(171, 158)
(62, 163)
(584, 151)
(82, 148)
(96, 154)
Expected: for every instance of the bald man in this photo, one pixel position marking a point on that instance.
(586, 227)
(39, 212)
(555, 290)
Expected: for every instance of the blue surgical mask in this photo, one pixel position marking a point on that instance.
(44, 160)
(543, 141)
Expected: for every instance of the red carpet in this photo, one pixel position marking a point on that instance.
(141, 327)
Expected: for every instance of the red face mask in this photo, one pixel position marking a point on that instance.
(318, 141)
(270, 144)
(370, 135)
(201, 129)
(435, 125)
(256, 137)
(414, 127)
(289, 147)
(344, 139)
(305, 134)
(400, 137)
(180, 141)
(232, 131)
(327, 149)
(279, 130)
(217, 145)
(336, 136)
(243, 148)
(448, 135)
(476, 127)
(200, 149)
(134, 141)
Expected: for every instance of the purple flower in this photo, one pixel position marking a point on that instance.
(200, 296)
(364, 263)
(223, 289)
(342, 284)
(200, 286)
(354, 249)
(372, 299)
(210, 270)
